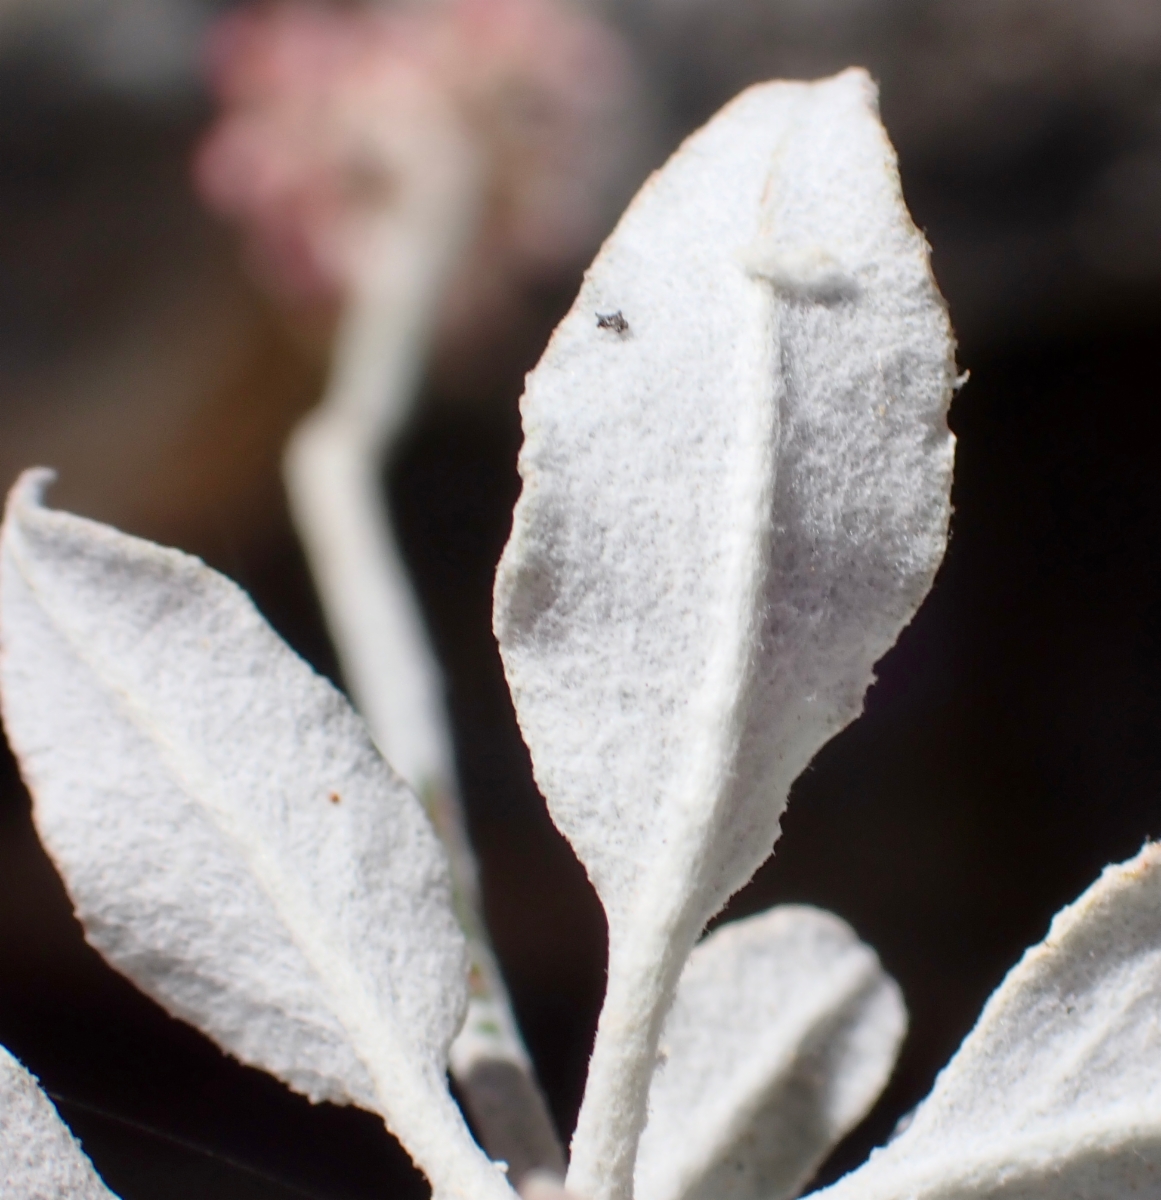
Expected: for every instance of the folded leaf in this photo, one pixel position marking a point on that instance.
(1057, 1090)
(736, 471)
(230, 838)
(39, 1158)
(783, 1032)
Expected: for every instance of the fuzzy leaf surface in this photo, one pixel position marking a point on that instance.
(230, 837)
(783, 1033)
(1057, 1090)
(736, 476)
(39, 1157)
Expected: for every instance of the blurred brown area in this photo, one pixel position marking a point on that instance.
(1010, 748)
(135, 356)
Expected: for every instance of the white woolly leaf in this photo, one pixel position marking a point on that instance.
(783, 1033)
(736, 472)
(39, 1157)
(230, 838)
(1057, 1090)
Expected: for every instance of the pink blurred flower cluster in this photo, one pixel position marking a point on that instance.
(315, 98)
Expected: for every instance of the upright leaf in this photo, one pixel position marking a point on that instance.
(230, 837)
(1057, 1090)
(39, 1157)
(736, 472)
(782, 1034)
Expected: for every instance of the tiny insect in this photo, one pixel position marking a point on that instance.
(614, 321)
(335, 798)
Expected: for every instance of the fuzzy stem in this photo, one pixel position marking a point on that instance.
(644, 967)
(332, 470)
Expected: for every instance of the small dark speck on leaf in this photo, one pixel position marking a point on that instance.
(335, 798)
(615, 322)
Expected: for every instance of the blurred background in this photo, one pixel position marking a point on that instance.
(1012, 746)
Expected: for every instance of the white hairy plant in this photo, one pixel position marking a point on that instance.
(419, 166)
(736, 478)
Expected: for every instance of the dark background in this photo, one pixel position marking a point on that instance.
(1011, 746)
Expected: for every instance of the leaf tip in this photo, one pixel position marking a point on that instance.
(28, 491)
